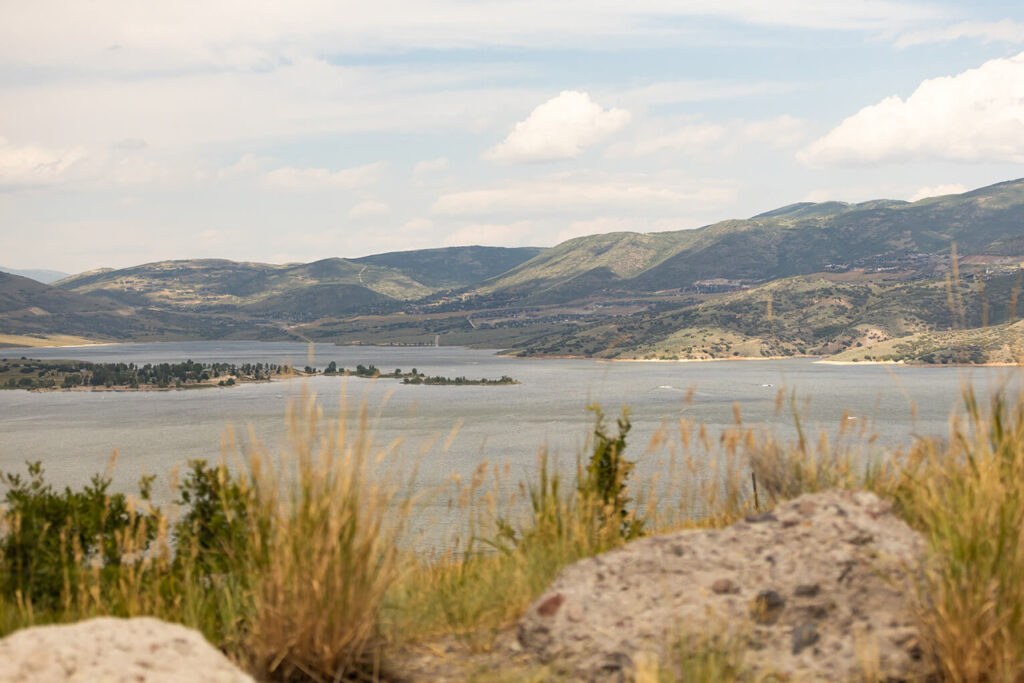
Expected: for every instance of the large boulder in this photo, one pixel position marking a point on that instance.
(114, 650)
(817, 589)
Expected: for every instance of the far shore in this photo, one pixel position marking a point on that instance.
(820, 360)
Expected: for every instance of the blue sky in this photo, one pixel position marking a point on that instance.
(294, 131)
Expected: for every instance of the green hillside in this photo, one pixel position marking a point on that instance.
(807, 315)
(212, 283)
(216, 284)
(30, 308)
(795, 240)
(319, 301)
(994, 344)
(452, 267)
(804, 279)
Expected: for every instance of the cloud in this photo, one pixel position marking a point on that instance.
(491, 234)
(1005, 31)
(719, 138)
(937, 191)
(430, 167)
(418, 225)
(169, 37)
(975, 116)
(254, 168)
(369, 208)
(130, 144)
(28, 166)
(568, 195)
(300, 179)
(558, 129)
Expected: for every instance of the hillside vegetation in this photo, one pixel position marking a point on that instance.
(30, 309)
(817, 315)
(358, 284)
(804, 279)
(794, 240)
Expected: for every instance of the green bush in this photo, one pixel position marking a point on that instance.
(51, 534)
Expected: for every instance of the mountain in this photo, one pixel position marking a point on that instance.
(337, 286)
(1002, 343)
(795, 240)
(805, 315)
(452, 267)
(804, 279)
(44, 276)
(30, 308)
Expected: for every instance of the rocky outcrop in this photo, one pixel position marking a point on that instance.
(114, 650)
(815, 590)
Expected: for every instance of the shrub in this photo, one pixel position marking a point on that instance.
(49, 534)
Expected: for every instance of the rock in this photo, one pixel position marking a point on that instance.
(801, 599)
(114, 650)
(767, 607)
(722, 586)
(805, 635)
(807, 591)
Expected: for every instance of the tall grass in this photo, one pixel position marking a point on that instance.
(299, 564)
(283, 561)
(967, 496)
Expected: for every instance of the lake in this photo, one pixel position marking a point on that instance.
(74, 434)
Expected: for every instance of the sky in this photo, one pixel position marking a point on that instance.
(277, 132)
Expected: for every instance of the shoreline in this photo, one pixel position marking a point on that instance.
(820, 360)
(129, 389)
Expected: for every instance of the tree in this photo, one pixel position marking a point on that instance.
(608, 471)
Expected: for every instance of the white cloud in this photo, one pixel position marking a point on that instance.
(430, 167)
(937, 191)
(491, 234)
(34, 166)
(1005, 31)
(719, 138)
(571, 195)
(172, 36)
(254, 168)
(287, 178)
(559, 129)
(369, 208)
(975, 116)
(248, 166)
(691, 137)
(418, 225)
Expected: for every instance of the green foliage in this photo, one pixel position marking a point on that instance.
(51, 533)
(214, 526)
(608, 471)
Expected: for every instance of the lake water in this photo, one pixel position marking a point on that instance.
(74, 434)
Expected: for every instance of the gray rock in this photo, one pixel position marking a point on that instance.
(114, 650)
(802, 591)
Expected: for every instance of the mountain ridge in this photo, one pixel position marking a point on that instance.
(803, 279)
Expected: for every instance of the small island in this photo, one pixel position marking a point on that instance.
(75, 375)
(414, 376)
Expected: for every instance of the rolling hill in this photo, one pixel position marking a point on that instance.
(37, 274)
(332, 286)
(804, 279)
(799, 239)
(33, 310)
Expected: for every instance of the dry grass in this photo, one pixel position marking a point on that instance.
(967, 497)
(326, 527)
(317, 580)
